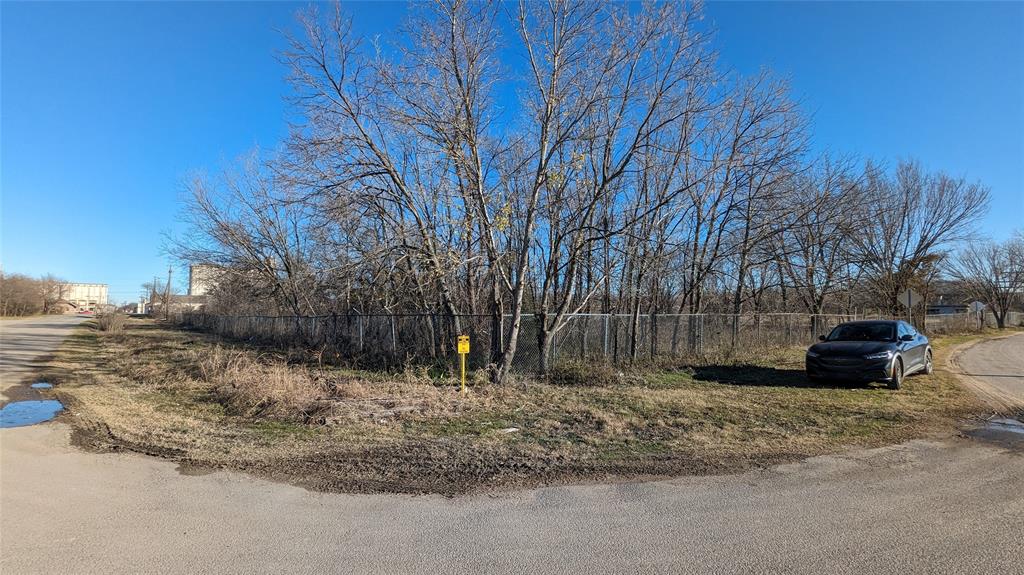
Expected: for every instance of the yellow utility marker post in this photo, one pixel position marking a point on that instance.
(463, 350)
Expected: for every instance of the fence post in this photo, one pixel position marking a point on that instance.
(334, 329)
(606, 335)
(583, 336)
(700, 335)
(359, 323)
(652, 334)
(394, 336)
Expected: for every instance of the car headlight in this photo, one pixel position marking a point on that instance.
(879, 355)
(812, 353)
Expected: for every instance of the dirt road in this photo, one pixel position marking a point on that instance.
(951, 505)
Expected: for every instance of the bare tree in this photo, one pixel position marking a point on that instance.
(610, 85)
(992, 273)
(812, 248)
(500, 160)
(769, 141)
(908, 221)
(50, 292)
(247, 227)
(23, 295)
(359, 149)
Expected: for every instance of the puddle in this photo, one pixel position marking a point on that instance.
(21, 413)
(41, 385)
(1006, 424)
(1003, 431)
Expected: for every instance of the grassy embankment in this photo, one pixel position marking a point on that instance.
(184, 396)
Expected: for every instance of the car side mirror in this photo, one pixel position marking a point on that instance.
(906, 337)
(821, 338)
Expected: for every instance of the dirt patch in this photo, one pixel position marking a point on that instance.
(208, 405)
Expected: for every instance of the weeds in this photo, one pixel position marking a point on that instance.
(581, 373)
(252, 388)
(111, 321)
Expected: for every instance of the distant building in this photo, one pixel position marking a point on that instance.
(946, 298)
(188, 302)
(84, 296)
(946, 308)
(201, 279)
(178, 304)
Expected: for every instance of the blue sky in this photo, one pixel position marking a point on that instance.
(106, 108)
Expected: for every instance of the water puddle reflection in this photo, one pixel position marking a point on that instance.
(1006, 424)
(21, 413)
(1003, 431)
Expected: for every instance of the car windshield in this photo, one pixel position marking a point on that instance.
(864, 332)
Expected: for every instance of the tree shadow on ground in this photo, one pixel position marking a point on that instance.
(754, 375)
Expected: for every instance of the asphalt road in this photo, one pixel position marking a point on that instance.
(997, 366)
(23, 341)
(954, 505)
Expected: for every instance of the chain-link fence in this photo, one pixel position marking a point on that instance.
(403, 339)
(968, 321)
(429, 339)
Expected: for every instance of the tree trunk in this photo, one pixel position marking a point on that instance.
(543, 346)
(497, 326)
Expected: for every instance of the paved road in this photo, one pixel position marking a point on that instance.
(24, 340)
(952, 505)
(997, 364)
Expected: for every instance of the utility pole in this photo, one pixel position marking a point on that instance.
(167, 295)
(152, 295)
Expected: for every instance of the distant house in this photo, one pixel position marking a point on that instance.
(947, 297)
(946, 308)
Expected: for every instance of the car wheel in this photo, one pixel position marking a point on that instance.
(928, 366)
(897, 374)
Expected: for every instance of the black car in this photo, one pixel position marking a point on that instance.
(866, 351)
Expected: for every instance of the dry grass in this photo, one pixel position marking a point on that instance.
(113, 321)
(182, 395)
(251, 388)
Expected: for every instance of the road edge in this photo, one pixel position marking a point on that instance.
(1000, 402)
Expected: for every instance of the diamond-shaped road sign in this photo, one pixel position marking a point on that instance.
(910, 298)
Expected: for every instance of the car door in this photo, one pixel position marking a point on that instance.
(906, 347)
(914, 349)
(920, 346)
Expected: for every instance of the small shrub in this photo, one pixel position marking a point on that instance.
(251, 388)
(111, 322)
(580, 373)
